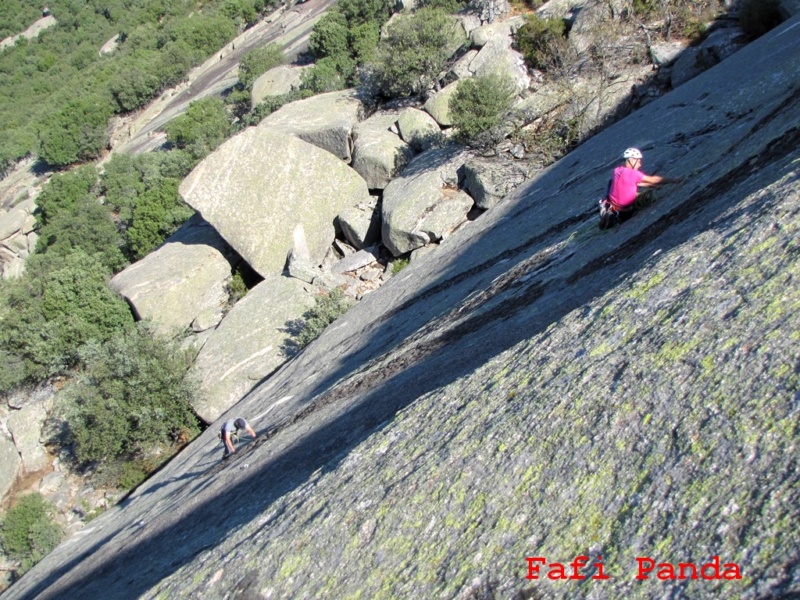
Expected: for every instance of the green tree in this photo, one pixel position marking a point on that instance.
(417, 47)
(329, 74)
(326, 310)
(132, 396)
(157, 215)
(479, 103)
(77, 133)
(201, 129)
(28, 532)
(65, 191)
(329, 37)
(542, 42)
(60, 304)
(257, 62)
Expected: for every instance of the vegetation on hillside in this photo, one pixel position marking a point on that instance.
(28, 532)
(57, 92)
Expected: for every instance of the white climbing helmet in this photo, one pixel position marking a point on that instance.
(632, 153)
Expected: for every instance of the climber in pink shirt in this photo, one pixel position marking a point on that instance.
(623, 190)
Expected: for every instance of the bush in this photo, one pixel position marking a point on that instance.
(325, 311)
(479, 104)
(133, 396)
(273, 103)
(77, 133)
(257, 62)
(28, 532)
(757, 17)
(201, 129)
(60, 304)
(409, 59)
(157, 215)
(329, 74)
(542, 42)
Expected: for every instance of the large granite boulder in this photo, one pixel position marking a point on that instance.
(10, 464)
(497, 57)
(378, 153)
(258, 186)
(25, 426)
(488, 181)
(424, 204)
(418, 129)
(480, 36)
(248, 343)
(325, 120)
(361, 224)
(275, 82)
(183, 278)
(438, 105)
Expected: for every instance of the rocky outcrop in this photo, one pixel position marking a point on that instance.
(10, 464)
(257, 187)
(719, 45)
(438, 105)
(183, 278)
(275, 82)
(326, 121)
(26, 426)
(488, 181)
(17, 237)
(31, 32)
(361, 224)
(424, 204)
(378, 153)
(418, 129)
(248, 344)
(542, 389)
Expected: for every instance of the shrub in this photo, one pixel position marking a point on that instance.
(328, 74)
(77, 133)
(757, 17)
(479, 104)
(542, 42)
(273, 103)
(325, 311)
(329, 37)
(28, 532)
(409, 59)
(201, 129)
(60, 304)
(157, 215)
(257, 62)
(132, 396)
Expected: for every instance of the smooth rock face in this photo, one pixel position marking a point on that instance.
(489, 181)
(325, 120)
(247, 344)
(257, 187)
(361, 225)
(378, 154)
(540, 387)
(10, 464)
(26, 426)
(424, 204)
(184, 277)
(438, 105)
(275, 82)
(418, 129)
